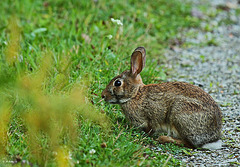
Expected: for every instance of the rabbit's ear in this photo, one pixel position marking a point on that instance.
(138, 60)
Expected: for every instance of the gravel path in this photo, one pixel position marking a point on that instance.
(217, 70)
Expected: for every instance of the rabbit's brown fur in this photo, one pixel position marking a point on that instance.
(184, 111)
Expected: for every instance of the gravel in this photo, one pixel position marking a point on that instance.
(216, 69)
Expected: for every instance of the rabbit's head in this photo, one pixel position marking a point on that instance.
(125, 86)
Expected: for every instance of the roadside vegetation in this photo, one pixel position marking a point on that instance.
(57, 57)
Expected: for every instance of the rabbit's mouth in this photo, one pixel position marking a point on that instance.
(113, 101)
(112, 98)
(117, 101)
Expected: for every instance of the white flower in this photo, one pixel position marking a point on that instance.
(117, 21)
(109, 36)
(69, 155)
(92, 151)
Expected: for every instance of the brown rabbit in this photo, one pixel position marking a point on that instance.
(189, 115)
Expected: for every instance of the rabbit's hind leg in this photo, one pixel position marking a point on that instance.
(179, 142)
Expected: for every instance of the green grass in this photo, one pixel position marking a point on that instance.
(57, 57)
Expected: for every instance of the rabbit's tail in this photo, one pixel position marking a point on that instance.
(213, 146)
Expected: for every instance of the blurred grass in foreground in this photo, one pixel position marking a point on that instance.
(51, 119)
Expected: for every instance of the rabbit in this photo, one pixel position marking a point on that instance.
(188, 115)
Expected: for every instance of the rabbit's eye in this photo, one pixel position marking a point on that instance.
(117, 83)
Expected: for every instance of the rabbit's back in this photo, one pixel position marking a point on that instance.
(182, 89)
(162, 98)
